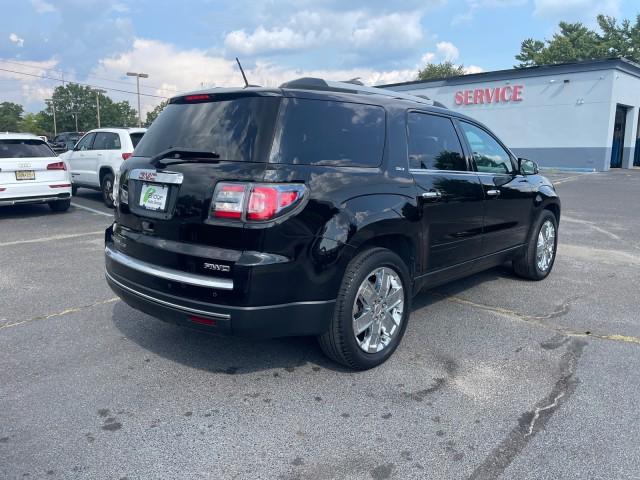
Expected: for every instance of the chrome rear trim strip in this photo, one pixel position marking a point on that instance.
(167, 273)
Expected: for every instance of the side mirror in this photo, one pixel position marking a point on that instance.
(527, 167)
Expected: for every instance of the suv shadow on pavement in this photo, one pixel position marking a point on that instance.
(234, 355)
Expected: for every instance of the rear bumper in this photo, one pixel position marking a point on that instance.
(291, 319)
(11, 200)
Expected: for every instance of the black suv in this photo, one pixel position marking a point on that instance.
(318, 208)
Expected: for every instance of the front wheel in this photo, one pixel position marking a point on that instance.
(540, 251)
(372, 310)
(107, 189)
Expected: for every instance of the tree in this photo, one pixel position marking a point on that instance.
(576, 42)
(153, 114)
(72, 100)
(446, 69)
(10, 116)
(35, 123)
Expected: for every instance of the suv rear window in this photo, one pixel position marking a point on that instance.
(319, 132)
(24, 149)
(239, 129)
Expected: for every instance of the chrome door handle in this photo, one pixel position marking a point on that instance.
(432, 195)
(493, 193)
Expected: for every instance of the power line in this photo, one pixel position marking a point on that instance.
(82, 84)
(90, 75)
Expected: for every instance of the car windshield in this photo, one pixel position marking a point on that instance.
(24, 148)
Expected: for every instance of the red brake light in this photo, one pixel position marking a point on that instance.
(228, 200)
(125, 156)
(196, 98)
(263, 203)
(57, 166)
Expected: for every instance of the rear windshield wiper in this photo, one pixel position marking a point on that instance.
(174, 155)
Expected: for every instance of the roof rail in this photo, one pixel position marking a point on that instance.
(311, 83)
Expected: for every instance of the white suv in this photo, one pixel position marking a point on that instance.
(97, 157)
(31, 173)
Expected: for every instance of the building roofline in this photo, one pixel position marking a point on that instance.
(618, 63)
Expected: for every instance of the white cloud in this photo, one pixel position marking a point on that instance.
(355, 29)
(473, 69)
(576, 9)
(19, 41)
(448, 51)
(175, 70)
(42, 6)
(27, 89)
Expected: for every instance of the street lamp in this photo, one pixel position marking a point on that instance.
(53, 107)
(98, 92)
(138, 77)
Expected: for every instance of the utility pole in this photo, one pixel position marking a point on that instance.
(75, 114)
(53, 107)
(98, 92)
(138, 77)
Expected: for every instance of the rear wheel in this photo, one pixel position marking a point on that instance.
(540, 251)
(372, 310)
(107, 189)
(60, 205)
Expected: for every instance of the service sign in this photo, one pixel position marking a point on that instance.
(479, 96)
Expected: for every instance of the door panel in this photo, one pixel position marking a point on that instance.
(450, 196)
(453, 220)
(508, 195)
(80, 160)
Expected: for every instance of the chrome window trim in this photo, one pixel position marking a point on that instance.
(167, 273)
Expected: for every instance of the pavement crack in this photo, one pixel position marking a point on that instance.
(60, 314)
(539, 320)
(531, 422)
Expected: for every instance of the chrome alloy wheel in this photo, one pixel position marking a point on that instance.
(546, 245)
(377, 309)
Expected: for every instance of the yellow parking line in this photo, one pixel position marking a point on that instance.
(60, 314)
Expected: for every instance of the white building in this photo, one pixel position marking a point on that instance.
(581, 116)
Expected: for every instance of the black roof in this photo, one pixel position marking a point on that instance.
(621, 64)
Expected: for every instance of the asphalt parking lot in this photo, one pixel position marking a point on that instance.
(496, 377)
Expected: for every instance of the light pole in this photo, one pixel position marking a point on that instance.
(138, 77)
(53, 107)
(98, 92)
(75, 114)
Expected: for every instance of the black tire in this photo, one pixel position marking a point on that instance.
(339, 342)
(526, 265)
(106, 185)
(60, 205)
(74, 190)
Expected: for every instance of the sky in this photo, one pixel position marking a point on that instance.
(188, 45)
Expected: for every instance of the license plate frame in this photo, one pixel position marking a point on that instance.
(25, 175)
(154, 197)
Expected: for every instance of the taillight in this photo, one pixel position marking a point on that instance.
(125, 156)
(57, 166)
(228, 200)
(254, 202)
(197, 98)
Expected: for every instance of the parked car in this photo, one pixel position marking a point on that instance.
(31, 173)
(98, 155)
(65, 141)
(318, 208)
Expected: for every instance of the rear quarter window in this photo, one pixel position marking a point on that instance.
(319, 132)
(135, 138)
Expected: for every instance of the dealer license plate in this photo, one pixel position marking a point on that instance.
(154, 196)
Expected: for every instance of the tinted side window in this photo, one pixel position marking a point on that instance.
(106, 141)
(319, 132)
(85, 143)
(434, 143)
(488, 154)
(135, 138)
